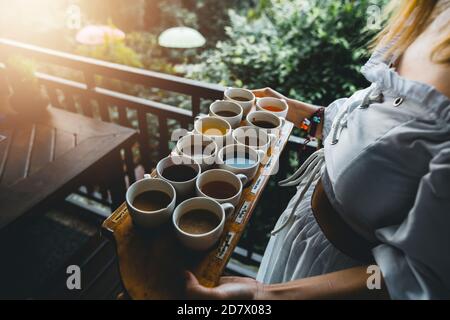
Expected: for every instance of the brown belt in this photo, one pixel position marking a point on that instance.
(337, 231)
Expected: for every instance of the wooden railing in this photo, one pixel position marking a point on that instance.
(88, 94)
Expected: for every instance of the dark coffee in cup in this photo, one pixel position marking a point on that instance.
(219, 189)
(264, 124)
(226, 113)
(152, 200)
(205, 149)
(179, 173)
(239, 98)
(198, 221)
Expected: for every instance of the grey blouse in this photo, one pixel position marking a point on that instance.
(387, 172)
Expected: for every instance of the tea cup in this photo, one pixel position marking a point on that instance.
(254, 137)
(244, 97)
(181, 172)
(198, 147)
(266, 121)
(221, 185)
(201, 241)
(147, 218)
(240, 159)
(229, 111)
(215, 128)
(278, 107)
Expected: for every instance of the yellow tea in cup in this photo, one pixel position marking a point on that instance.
(213, 129)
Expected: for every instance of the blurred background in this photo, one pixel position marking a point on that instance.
(310, 50)
(307, 49)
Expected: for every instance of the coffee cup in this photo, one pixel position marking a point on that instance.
(181, 172)
(221, 185)
(240, 159)
(278, 107)
(254, 137)
(266, 121)
(229, 111)
(150, 201)
(198, 147)
(199, 222)
(245, 98)
(215, 128)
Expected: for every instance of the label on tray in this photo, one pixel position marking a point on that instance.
(268, 164)
(243, 212)
(278, 144)
(119, 215)
(225, 245)
(257, 185)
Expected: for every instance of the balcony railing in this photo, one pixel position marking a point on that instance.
(92, 94)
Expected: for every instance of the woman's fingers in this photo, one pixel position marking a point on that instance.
(267, 92)
(194, 290)
(263, 92)
(228, 288)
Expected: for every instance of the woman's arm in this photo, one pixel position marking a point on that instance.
(344, 284)
(297, 110)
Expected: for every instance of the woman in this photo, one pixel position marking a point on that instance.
(378, 193)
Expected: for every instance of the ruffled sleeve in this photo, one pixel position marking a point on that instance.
(414, 256)
(330, 114)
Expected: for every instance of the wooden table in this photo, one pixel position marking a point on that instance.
(152, 261)
(45, 158)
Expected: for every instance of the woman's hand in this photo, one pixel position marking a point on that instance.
(238, 288)
(267, 92)
(344, 284)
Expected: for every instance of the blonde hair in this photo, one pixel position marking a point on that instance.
(407, 20)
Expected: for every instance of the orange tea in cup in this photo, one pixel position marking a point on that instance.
(272, 108)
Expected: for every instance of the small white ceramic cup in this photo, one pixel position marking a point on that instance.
(198, 147)
(240, 151)
(203, 241)
(182, 188)
(149, 219)
(210, 123)
(232, 93)
(220, 175)
(254, 137)
(276, 122)
(281, 104)
(223, 105)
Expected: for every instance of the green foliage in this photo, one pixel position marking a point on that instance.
(212, 17)
(151, 55)
(27, 98)
(21, 72)
(112, 50)
(174, 13)
(309, 50)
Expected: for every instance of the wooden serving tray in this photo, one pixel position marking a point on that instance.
(152, 261)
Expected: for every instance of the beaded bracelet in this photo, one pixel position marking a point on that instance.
(308, 127)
